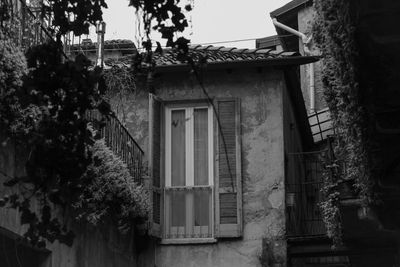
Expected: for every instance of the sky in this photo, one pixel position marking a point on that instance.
(212, 21)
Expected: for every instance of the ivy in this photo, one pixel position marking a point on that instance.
(330, 204)
(334, 33)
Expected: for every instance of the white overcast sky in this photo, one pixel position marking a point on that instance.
(212, 21)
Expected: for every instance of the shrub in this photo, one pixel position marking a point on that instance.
(110, 191)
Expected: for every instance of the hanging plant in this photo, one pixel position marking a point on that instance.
(110, 192)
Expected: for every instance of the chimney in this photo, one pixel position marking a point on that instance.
(100, 30)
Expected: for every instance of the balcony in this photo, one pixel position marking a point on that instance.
(308, 243)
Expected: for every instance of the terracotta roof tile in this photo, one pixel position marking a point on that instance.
(249, 51)
(227, 49)
(216, 54)
(215, 48)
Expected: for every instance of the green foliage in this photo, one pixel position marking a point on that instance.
(110, 191)
(169, 19)
(120, 83)
(119, 80)
(64, 168)
(330, 205)
(44, 110)
(47, 117)
(334, 34)
(13, 68)
(74, 16)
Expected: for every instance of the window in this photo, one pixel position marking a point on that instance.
(195, 170)
(188, 172)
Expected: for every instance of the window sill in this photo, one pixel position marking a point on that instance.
(184, 241)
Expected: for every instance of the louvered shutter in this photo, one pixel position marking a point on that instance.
(229, 178)
(155, 139)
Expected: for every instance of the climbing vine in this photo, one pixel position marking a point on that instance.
(330, 204)
(334, 34)
(120, 82)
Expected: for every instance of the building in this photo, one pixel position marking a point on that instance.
(293, 23)
(219, 198)
(216, 146)
(369, 232)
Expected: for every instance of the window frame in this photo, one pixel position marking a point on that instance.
(189, 108)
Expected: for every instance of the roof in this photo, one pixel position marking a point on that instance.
(289, 6)
(220, 56)
(118, 44)
(268, 41)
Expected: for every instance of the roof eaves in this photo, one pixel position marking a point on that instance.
(289, 7)
(267, 62)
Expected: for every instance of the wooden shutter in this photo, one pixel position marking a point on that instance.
(155, 155)
(228, 173)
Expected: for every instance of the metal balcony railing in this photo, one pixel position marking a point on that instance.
(303, 194)
(119, 140)
(188, 212)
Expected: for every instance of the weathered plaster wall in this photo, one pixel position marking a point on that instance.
(293, 142)
(91, 247)
(262, 166)
(305, 20)
(294, 168)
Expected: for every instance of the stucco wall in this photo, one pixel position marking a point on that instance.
(263, 242)
(305, 20)
(262, 166)
(91, 247)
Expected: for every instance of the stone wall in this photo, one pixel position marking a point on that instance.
(260, 91)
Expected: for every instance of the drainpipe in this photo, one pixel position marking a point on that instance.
(306, 42)
(100, 30)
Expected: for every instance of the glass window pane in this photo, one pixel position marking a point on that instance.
(201, 146)
(202, 207)
(178, 147)
(178, 208)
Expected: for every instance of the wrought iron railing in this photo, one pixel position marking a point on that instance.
(303, 194)
(188, 212)
(305, 174)
(120, 141)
